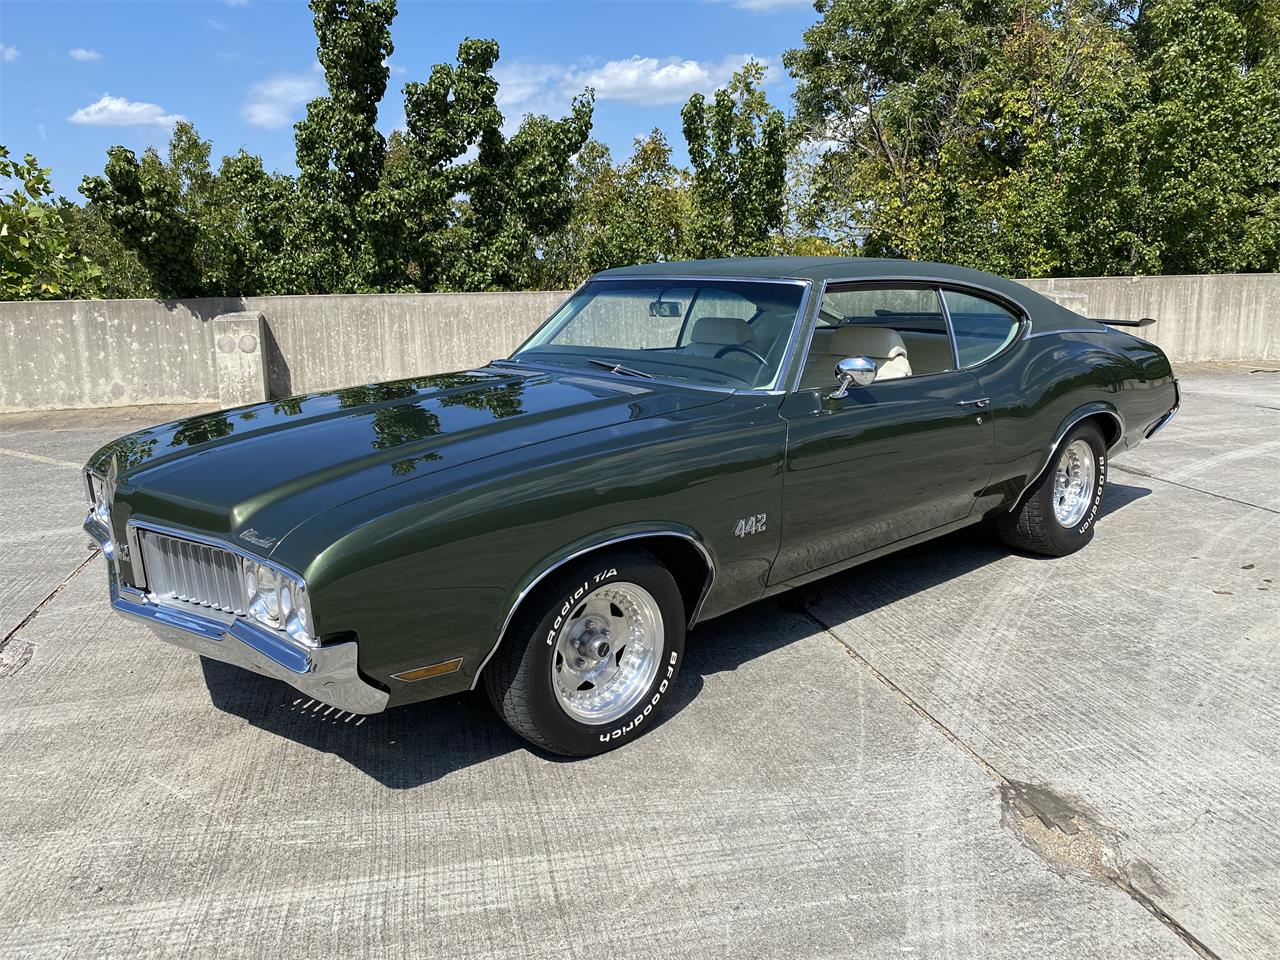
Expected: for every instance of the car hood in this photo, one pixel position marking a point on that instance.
(254, 473)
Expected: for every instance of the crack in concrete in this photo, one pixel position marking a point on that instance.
(1208, 493)
(10, 667)
(1057, 829)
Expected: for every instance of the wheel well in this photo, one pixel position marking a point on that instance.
(686, 563)
(1109, 424)
(689, 566)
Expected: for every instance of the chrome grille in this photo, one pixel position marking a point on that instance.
(192, 572)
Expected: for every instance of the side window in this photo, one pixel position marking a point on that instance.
(900, 327)
(982, 328)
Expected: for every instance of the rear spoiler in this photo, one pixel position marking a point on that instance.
(1144, 322)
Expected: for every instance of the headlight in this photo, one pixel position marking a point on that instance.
(278, 601)
(96, 491)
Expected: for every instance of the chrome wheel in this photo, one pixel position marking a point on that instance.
(607, 653)
(1073, 483)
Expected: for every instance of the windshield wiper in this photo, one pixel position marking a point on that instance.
(619, 368)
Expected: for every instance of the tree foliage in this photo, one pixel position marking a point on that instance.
(1025, 137)
(1043, 137)
(635, 212)
(39, 259)
(738, 153)
(450, 203)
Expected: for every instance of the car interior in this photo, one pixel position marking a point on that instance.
(737, 334)
(901, 329)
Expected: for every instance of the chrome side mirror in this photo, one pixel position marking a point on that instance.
(853, 372)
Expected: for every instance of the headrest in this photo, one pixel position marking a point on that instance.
(723, 330)
(878, 343)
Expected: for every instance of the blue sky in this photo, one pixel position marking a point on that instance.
(77, 77)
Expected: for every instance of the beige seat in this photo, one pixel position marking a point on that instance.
(880, 344)
(712, 334)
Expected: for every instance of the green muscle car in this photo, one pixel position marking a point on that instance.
(676, 441)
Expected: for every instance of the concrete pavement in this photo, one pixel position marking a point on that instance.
(952, 752)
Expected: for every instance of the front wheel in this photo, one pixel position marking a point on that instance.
(1056, 517)
(591, 654)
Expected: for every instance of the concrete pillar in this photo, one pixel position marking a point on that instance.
(242, 366)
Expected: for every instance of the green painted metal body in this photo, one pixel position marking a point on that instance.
(421, 511)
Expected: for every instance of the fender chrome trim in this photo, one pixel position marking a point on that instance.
(1063, 430)
(642, 535)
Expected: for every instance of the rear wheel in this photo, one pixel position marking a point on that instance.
(1056, 516)
(591, 654)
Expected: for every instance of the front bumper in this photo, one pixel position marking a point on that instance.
(326, 673)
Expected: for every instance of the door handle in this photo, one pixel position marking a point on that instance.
(980, 402)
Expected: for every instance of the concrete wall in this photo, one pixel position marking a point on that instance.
(1216, 317)
(99, 353)
(67, 354)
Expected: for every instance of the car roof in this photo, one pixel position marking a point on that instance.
(803, 268)
(1047, 313)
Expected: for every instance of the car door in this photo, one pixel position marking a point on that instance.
(907, 454)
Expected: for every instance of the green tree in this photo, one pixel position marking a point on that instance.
(123, 275)
(340, 152)
(1042, 137)
(445, 223)
(39, 259)
(1210, 174)
(143, 201)
(738, 150)
(632, 213)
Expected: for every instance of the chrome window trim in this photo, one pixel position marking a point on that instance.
(771, 389)
(951, 330)
(1020, 314)
(938, 285)
(529, 588)
(1054, 333)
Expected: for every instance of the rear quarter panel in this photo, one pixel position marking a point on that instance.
(1048, 378)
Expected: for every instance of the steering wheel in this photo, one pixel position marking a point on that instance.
(747, 350)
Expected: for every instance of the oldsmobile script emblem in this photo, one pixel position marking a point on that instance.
(258, 540)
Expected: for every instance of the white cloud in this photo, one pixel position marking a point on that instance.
(645, 81)
(236, 3)
(275, 101)
(83, 55)
(41, 131)
(215, 24)
(649, 81)
(527, 85)
(8, 54)
(395, 68)
(111, 111)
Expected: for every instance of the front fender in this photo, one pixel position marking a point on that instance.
(567, 554)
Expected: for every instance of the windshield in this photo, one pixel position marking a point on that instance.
(720, 333)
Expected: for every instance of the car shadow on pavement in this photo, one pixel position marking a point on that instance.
(414, 745)
(724, 644)
(402, 748)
